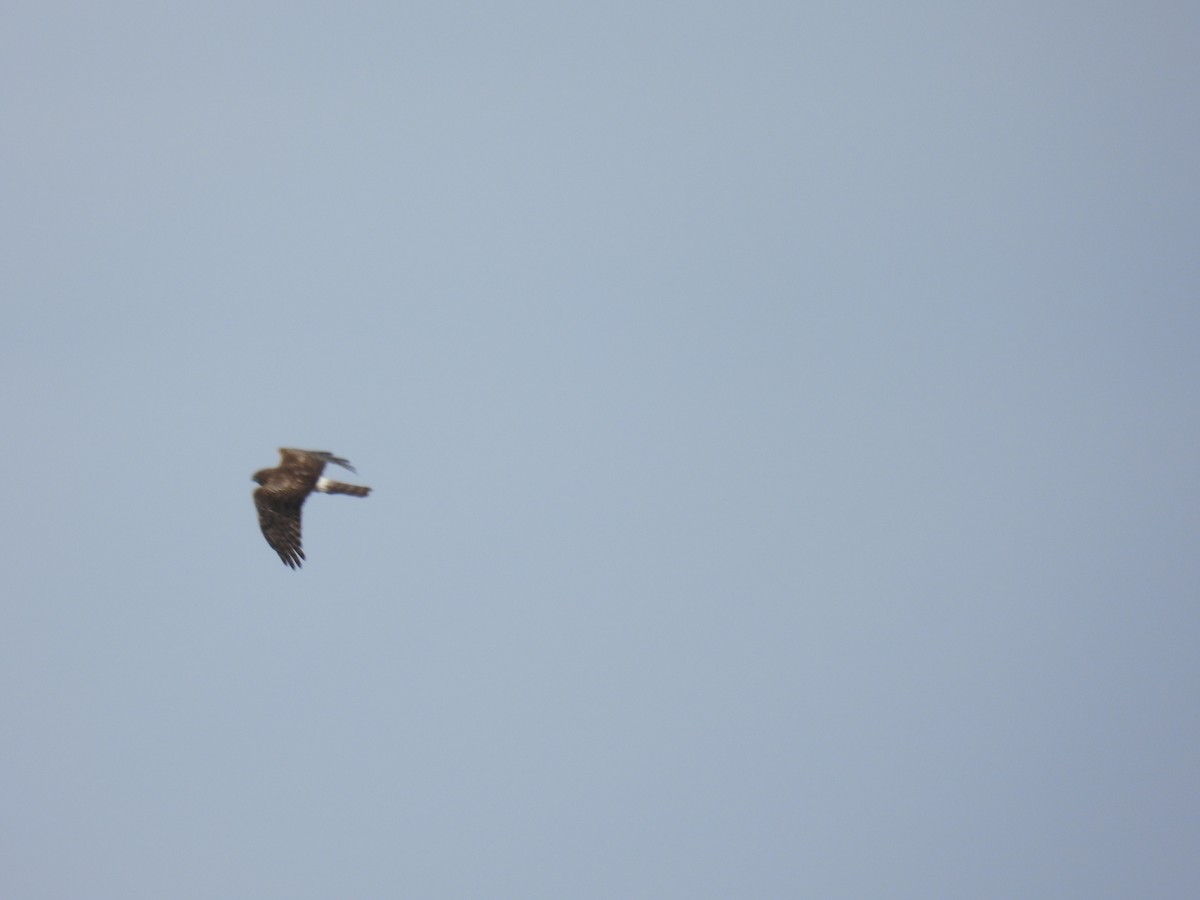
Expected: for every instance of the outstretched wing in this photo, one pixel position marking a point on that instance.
(279, 519)
(310, 461)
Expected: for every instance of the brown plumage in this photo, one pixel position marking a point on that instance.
(283, 492)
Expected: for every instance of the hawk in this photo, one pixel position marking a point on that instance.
(284, 490)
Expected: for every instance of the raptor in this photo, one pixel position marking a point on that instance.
(284, 489)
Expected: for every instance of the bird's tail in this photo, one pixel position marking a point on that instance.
(328, 486)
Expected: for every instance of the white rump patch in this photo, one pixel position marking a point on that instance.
(323, 484)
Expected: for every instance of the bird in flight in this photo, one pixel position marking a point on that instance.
(285, 488)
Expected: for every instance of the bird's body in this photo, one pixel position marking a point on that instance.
(284, 489)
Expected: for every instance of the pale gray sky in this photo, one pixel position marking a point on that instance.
(783, 426)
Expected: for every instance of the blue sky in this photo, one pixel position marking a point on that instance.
(782, 426)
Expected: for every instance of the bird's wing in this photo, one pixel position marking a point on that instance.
(279, 519)
(310, 461)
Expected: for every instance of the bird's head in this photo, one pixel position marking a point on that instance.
(260, 477)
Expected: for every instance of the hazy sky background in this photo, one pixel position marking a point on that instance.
(783, 426)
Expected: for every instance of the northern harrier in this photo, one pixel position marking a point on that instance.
(284, 490)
